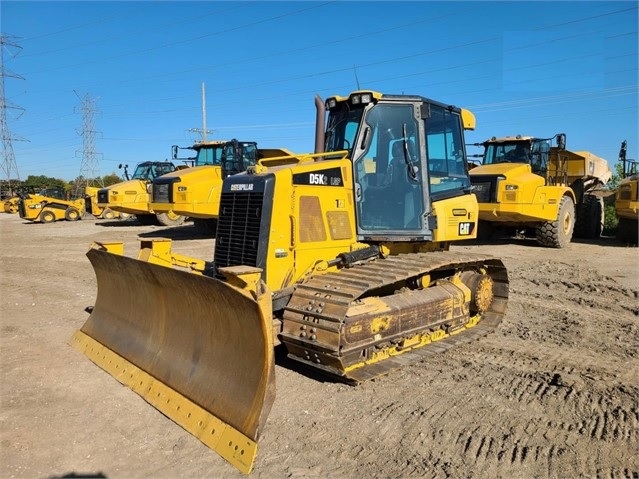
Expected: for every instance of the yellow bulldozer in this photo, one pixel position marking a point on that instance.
(132, 197)
(195, 192)
(342, 257)
(627, 199)
(525, 183)
(50, 205)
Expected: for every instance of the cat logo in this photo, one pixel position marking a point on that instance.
(317, 179)
(465, 229)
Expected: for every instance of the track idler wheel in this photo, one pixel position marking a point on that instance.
(481, 289)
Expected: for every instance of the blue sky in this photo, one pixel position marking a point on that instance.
(531, 68)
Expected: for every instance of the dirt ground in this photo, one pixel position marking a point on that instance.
(552, 393)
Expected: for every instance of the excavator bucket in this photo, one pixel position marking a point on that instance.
(202, 355)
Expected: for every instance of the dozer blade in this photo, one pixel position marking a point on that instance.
(196, 348)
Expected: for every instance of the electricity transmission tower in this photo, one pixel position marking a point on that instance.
(8, 165)
(89, 167)
(203, 131)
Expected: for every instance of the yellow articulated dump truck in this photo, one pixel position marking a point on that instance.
(526, 183)
(627, 199)
(133, 196)
(49, 206)
(341, 257)
(195, 192)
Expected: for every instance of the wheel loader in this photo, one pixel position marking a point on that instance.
(132, 197)
(195, 192)
(525, 183)
(627, 199)
(49, 206)
(341, 257)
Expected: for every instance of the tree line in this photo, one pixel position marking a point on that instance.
(70, 189)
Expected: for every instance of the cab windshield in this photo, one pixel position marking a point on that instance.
(149, 171)
(533, 152)
(507, 152)
(209, 155)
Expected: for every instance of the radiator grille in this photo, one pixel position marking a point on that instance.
(238, 229)
(103, 196)
(161, 193)
(485, 189)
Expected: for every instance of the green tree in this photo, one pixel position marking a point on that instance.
(111, 179)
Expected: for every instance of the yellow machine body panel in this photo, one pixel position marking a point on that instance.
(578, 165)
(627, 210)
(129, 197)
(627, 198)
(196, 192)
(522, 196)
(92, 206)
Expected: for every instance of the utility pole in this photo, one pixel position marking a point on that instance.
(8, 165)
(203, 131)
(89, 167)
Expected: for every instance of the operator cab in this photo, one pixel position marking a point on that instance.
(237, 156)
(407, 152)
(148, 170)
(528, 150)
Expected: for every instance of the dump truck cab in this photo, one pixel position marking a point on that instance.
(133, 196)
(195, 192)
(524, 182)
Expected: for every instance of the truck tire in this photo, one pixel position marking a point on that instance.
(71, 214)
(170, 219)
(206, 227)
(47, 216)
(107, 214)
(589, 217)
(627, 231)
(558, 233)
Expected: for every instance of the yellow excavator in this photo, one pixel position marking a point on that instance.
(195, 192)
(341, 256)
